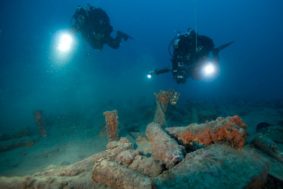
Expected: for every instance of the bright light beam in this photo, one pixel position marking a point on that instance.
(209, 70)
(65, 43)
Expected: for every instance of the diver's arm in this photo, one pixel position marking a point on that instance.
(160, 71)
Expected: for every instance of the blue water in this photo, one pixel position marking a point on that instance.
(91, 81)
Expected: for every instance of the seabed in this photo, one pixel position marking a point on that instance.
(194, 145)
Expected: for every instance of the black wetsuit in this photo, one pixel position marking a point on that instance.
(94, 25)
(188, 50)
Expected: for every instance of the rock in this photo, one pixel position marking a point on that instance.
(116, 147)
(82, 181)
(268, 146)
(135, 160)
(122, 143)
(127, 157)
(275, 133)
(262, 126)
(77, 175)
(273, 183)
(146, 165)
(217, 166)
(118, 176)
(275, 172)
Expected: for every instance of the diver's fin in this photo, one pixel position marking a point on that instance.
(221, 47)
(123, 35)
(216, 51)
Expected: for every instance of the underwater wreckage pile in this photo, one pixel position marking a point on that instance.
(207, 155)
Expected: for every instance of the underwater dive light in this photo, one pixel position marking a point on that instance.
(149, 76)
(209, 69)
(64, 42)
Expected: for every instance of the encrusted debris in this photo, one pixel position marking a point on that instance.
(231, 130)
(161, 161)
(111, 120)
(268, 146)
(164, 148)
(163, 99)
(217, 166)
(118, 176)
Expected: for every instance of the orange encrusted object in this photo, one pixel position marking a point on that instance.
(163, 99)
(111, 120)
(39, 121)
(231, 130)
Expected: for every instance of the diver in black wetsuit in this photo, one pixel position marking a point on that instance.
(190, 51)
(94, 25)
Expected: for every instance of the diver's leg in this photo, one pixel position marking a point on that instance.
(115, 42)
(122, 35)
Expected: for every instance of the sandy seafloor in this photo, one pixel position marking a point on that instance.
(73, 138)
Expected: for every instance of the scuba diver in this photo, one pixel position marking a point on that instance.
(191, 52)
(94, 25)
